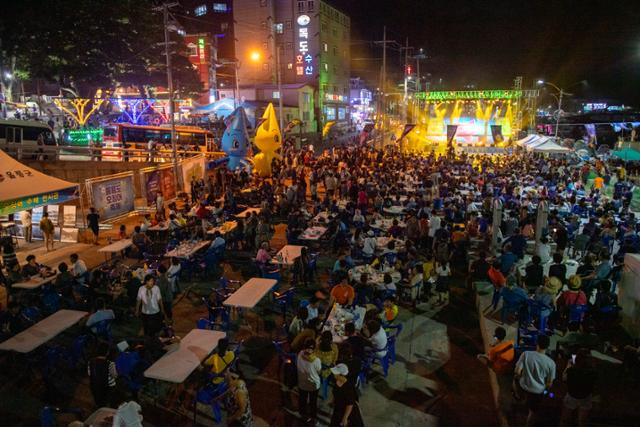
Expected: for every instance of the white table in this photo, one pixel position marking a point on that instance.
(185, 356)
(30, 339)
(186, 251)
(224, 228)
(322, 218)
(339, 317)
(376, 277)
(159, 227)
(245, 213)
(288, 254)
(34, 283)
(572, 266)
(386, 224)
(117, 247)
(249, 294)
(394, 210)
(313, 233)
(383, 241)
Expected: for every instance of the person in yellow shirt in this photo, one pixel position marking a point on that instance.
(390, 310)
(220, 361)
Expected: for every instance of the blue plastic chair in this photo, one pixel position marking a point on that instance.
(391, 340)
(50, 301)
(577, 312)
(47, 415)
(210, 395)
(102, 329)
(129, 368)
(284, 300)
(512, 303)
(31, 315)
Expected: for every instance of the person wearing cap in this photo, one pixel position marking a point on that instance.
(309, 369)
(574, 295)
(346, 412)
(546, 295)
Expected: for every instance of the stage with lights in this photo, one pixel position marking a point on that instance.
(470, 118)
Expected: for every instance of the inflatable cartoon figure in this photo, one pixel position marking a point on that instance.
(235, 139)
(268, 140)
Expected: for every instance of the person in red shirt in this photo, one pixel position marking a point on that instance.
(574, 295)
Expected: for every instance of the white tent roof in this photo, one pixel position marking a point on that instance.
(548, 146)
(527, 139)
(18, 181)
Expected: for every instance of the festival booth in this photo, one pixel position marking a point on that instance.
(547, 146)
(23, 188)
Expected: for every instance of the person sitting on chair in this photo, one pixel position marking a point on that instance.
(101, 313)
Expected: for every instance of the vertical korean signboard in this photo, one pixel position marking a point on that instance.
(112, 197)
(304, 59)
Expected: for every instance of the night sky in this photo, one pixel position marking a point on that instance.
(488, 43)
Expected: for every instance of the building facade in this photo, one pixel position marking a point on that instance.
(306, 42)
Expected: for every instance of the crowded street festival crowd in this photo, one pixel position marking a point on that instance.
(395, 231)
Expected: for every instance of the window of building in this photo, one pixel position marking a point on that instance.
(335, 51)
(289, 45)
(288, 24)
(200, 10)
(263, 25)
(330, 113)
(279, 28)
(290, 66)
(300, 6)
(220, 7)
(264, 46)
(263, 3)
(306, 98)
(310, 6)
(326, 66)
(265, 66)
(342, 113)
(275, 95)
(305, 116)
(335, 70)
(325, 47)
(224, 26)
(193, 49)
(334, 31)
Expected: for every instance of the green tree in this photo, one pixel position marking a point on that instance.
(86, 45)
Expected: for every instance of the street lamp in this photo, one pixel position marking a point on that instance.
(561, 93)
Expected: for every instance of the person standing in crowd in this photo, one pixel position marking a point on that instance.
(46, 226)
(534, 375)
(150, 306)
(346, 412)
(102, 376)
(93, 223)
(27, 227)
(309, 369)
(580, 377)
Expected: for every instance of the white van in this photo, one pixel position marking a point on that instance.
(18, 134)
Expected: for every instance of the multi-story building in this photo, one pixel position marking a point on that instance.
(361, 101)
(305, 42)
(209, 25)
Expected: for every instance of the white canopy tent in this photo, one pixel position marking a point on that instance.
(22, 187)
(548, 146)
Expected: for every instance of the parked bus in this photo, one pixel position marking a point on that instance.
(16, 134)
(137, 137)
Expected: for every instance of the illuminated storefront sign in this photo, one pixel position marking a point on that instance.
(304, 60)
(334, 97)
(201, 50)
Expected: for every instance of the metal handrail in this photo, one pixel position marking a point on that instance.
(74, 153)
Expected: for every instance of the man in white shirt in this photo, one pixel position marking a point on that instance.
(149, 304)
(377, 338)
(78, 269)
(309, 368)
(369, 245)
(128, 415)
(535, 372)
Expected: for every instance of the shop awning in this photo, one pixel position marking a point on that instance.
(22, 187)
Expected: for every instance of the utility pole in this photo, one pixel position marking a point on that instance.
(165, 13)
(383, 85)
(405, 100)
(280, 94)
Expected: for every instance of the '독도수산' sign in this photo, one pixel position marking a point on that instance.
(113, 197)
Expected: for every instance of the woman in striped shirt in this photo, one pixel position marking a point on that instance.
(102, 376)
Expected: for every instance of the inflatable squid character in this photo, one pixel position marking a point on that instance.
(268, 140)
(235, 139)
